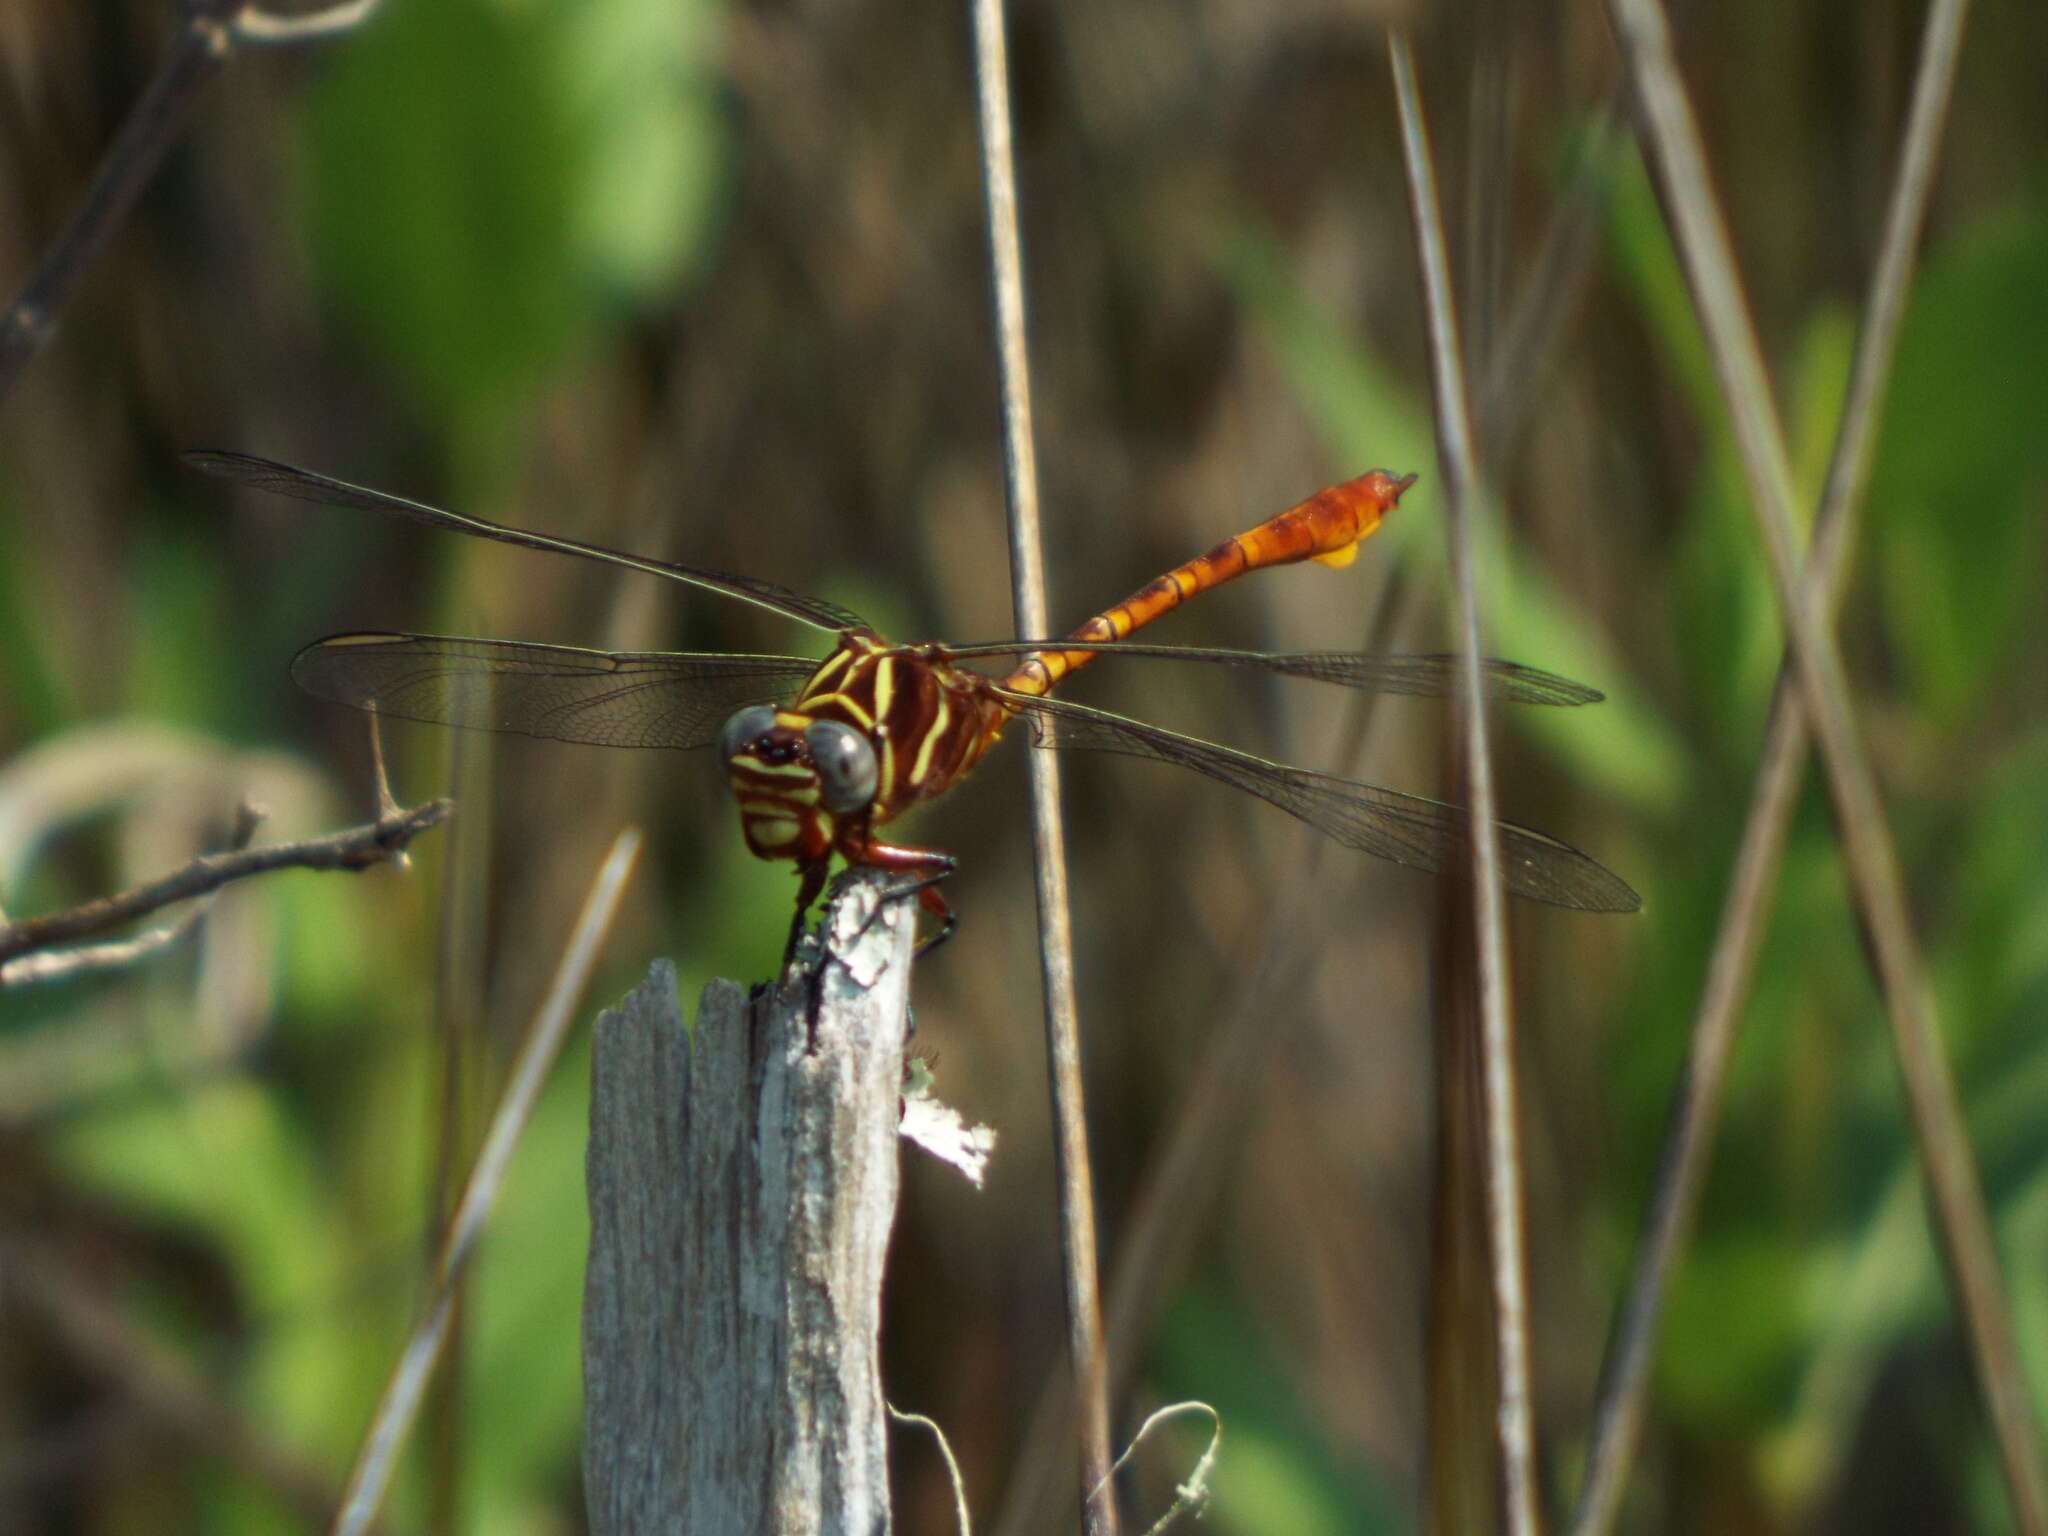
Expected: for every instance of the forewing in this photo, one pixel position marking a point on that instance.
(603, 698)
(305, 485)
(1404, 829)
(1424, 676)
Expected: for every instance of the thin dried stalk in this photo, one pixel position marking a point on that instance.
(377, 1458)
(1181, 1180)
(1466, 499)
(1671, 139)
(1056, 958)
(454, 1094)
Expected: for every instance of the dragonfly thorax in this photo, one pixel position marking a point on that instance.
(874, 730)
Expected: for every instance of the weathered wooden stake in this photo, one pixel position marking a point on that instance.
(742, 1184)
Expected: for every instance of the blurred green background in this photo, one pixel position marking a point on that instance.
(707, 280)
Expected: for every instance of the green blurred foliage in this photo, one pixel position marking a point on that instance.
(491, 185)
(1956, 497)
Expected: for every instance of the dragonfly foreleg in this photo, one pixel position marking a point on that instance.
(806, 896)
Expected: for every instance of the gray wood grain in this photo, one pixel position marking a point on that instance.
(742, 1186)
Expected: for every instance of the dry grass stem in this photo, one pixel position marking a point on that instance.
(1465, 502)
(1673, 146)
(1182, 1179)
(1781, 769)
(1027, 567)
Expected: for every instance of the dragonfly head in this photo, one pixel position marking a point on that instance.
(796, 778)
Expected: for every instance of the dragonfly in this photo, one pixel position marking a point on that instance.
(822, 753)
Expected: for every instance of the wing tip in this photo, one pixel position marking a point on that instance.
(222, 463)
(1627, 899)
(1605, 893)
(1523, 684)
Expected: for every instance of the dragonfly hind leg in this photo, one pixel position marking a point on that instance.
(924, 869)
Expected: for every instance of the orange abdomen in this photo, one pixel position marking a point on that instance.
(1328, 528)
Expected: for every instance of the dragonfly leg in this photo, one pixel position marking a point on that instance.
(806, 894)
(922, 868)
(925, 868)
(929, 897)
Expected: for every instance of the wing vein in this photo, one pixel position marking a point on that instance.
(560, 693)
(1404, 829)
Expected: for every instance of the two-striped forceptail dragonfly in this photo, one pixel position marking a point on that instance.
(823, 753)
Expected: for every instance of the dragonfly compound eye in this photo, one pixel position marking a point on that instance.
(743, 730)
(845, 764)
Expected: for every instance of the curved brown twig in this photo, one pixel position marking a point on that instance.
(353, 848)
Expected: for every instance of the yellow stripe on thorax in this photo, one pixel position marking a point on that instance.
(856, 710)
(934, 733)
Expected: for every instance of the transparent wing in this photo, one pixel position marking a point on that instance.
(1425, 676)
(305, 485)
(602, 698)
(1404, 829)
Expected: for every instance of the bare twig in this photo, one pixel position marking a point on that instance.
(261, 28)
(105, 959)
(1191, 1494)
(387, 803)
(206, 36)
(1670, 135)
(98, 959)
(377, 1459)
(961, 1523)
(1062, 1020)
(354, 848)
(1466, 500)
